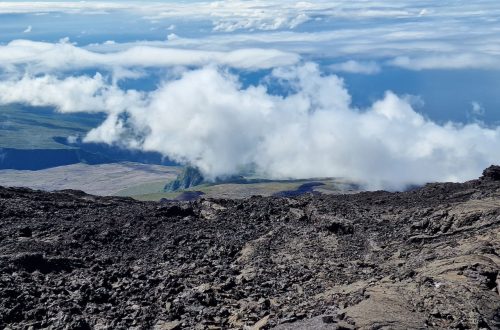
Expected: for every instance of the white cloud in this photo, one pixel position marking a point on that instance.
(172, 36)
(423, 12)
(64, 56)
(28, 29)
(206, 118)
(260, 23)
(422, 45)
(356, 67)
(452, 61)
(226, 15)
(72, 94)
(41, 7)
(477, 109)
(413, 35)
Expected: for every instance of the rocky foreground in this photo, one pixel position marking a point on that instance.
(427, 258)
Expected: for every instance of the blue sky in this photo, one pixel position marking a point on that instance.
(441, 58)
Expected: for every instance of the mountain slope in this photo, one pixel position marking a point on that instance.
(427, 258)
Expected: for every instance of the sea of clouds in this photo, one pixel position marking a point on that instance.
(201, 113)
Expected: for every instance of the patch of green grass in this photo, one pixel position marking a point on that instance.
(144, 189)
(155, 196)
(236, 190)
(229, 190)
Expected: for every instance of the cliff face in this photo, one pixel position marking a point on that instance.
(189, 177)
(427, 258)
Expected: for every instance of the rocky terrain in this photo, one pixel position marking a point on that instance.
(427, 258)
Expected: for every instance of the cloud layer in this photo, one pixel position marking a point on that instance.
(415, 35)
(207, 119)
(32, 56)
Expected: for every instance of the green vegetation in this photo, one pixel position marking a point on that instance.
(35, 128)
(144, 189)
(237, 190)
(229, 190)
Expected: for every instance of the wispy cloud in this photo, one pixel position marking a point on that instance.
(28, 29)
(451, 61)
(477, 109)
(356, 67)
(408, 34)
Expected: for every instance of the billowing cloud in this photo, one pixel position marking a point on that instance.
(72, 94)
(208, 119)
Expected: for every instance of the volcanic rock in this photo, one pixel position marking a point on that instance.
(421, 259)
(492, 173)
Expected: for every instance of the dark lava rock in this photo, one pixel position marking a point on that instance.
(25, 232)
(329, 319)
(421, 259)
(301, 190)
(492, 173)
(339, 227)
(185, 196)
(31, 262)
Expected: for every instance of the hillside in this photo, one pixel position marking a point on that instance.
(102, 180)
(427, 258)
(36, 138)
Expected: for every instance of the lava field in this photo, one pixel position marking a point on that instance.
(426, 258)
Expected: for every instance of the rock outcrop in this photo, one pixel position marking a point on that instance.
(492, 173)
(190, 177)
(427, 258)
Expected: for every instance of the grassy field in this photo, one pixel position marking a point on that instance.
(230, 190)
(146, 182)
(35, 128)
(144, 188)
(233, 190)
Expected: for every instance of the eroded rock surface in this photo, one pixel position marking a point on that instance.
(428, 258)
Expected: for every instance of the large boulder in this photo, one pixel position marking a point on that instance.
(492, 173)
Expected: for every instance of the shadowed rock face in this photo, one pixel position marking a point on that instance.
(189, 177)
(492, 173)
(427, 258)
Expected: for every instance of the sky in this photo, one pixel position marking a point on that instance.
(388, 93)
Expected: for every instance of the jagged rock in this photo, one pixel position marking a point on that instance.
(25, 232)
(339, 227)
(261, 324)
(426, 258)
(492, 173)
(174, 325)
